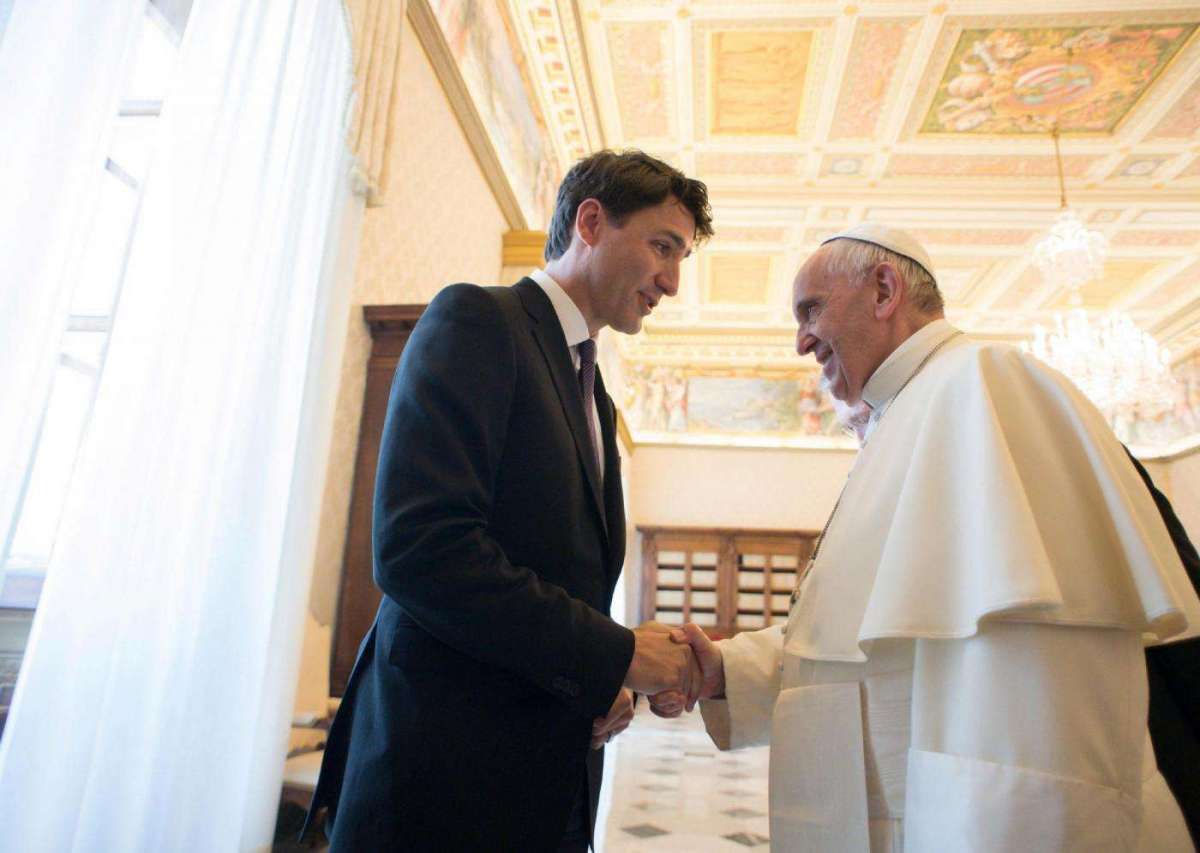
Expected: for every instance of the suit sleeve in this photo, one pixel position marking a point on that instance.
(443, 439)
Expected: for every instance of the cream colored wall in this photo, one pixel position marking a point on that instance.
(1160, 473)
(440, 224)
(727, 487)
(731, 487)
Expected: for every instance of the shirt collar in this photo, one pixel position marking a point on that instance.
(896, 369)
(569, 316)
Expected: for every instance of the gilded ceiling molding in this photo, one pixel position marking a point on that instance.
(550, 35)
(375, 29)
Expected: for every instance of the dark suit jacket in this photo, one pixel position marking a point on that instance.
(466, 722)
(1174, 674)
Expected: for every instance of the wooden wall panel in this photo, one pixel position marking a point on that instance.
(358, 597)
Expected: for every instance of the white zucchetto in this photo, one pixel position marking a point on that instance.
(892, 239)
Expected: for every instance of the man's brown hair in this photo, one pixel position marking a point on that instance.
(624, 182)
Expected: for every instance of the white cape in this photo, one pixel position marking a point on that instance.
(992, 505)
(1012, 500)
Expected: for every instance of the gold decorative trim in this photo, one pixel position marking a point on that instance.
(429, 33)
(550, 37)
(623, 432)
(523, 249)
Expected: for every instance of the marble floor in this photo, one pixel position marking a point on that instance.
(667, 788)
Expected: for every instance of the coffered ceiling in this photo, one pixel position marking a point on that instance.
(806, 117)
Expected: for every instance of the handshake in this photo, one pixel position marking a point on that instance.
(674, 667)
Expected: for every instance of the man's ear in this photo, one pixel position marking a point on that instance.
(589, 220)
(889, 288)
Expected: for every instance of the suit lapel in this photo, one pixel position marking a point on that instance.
(548, 333)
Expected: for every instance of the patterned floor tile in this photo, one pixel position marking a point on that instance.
(644, 830)
(651, 807)
(747, 839)
(740, 812)
(686, 802)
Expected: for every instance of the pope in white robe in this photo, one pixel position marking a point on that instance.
(962, 668)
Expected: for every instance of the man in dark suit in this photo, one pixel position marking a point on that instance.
(477, 710)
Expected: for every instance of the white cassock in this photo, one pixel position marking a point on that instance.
(964, 668)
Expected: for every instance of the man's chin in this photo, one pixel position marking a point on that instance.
(630, 327)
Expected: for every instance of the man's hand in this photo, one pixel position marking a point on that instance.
(671, 703)
(620, 715)
(661, 664)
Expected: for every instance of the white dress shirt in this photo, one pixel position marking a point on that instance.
(575, 330)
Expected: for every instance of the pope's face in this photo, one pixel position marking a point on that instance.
(637, 263)
(836, 322)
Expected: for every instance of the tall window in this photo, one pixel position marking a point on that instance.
(27, 545)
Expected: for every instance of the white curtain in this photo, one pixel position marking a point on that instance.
(152, 708)
(60, 76)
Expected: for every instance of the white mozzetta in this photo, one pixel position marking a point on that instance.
(1011, 499)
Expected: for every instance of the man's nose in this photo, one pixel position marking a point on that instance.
(805, 343)
(668, 280)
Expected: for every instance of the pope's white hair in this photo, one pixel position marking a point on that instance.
(854, 259)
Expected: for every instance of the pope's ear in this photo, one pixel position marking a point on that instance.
(889, 287)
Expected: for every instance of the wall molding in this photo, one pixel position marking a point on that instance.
(523, 248)
(433, 41)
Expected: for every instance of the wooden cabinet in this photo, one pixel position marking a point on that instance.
(358, 597)
(725, 580)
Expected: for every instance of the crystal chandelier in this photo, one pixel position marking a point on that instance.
(1118, 366)
(1071, 254)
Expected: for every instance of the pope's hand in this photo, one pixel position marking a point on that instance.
(620, 715)
(659, 663)
(671, 703)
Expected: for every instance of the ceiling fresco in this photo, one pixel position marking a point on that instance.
(806, 118)
(1085, 79)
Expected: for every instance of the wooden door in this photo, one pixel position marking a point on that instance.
(358, 597)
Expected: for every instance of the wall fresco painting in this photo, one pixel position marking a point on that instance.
(1015, 81)
(665, 399)
(1176, 425)
(483, 46)
(672, 403)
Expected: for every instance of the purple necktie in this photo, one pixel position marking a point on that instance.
(587, 382)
